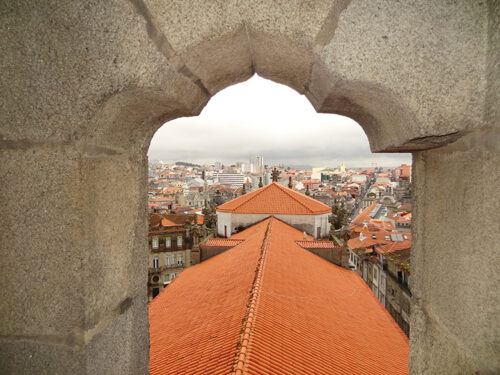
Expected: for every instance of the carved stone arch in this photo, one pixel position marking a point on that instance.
(86, 84)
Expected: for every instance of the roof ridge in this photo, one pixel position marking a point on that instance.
(248, 321)
(255, 194)
(285, 190)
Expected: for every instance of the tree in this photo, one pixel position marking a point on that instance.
(338, 218)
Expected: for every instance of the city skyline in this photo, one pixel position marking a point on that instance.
(278, 124)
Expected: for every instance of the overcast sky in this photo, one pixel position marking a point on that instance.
(260, 117)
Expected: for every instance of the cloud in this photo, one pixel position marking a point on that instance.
(260, 117)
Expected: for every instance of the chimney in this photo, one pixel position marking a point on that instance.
(290, 182)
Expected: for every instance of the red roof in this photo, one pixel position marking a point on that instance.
(274, 199)
(365, 215)
(243, 311)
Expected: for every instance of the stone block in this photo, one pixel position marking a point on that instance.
(42, 261)
(455, 261)
(122, 346)
(115, 248)
(63, 62)
(25, 356)
(418, 69)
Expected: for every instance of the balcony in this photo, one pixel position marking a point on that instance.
(156, 270)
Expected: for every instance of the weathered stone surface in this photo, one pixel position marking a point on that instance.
(416, 70)
(223, 43)
(62, 62)
(41, 259)
(28, 357)
(115, 196)
(86, 84)
(78, 265)
(492, 110)
(122, 347)
(455, 257)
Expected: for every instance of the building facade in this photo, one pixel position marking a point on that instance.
(171, 241)
(295, 209)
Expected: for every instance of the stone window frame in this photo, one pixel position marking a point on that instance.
(155, 242)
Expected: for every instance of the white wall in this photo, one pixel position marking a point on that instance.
(307, 223)
(322, 221)
(223, 218)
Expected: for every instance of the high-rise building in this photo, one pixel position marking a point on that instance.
(230, 179)
(266, 178)
(258, 164)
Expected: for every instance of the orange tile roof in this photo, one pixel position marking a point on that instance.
(195, 322)
(384, 224)
(396, 246)
(365, 214)
(383, 239)
(243, 311)
(366, 239)
(275, 199)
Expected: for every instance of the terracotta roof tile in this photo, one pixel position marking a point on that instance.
(195, 322)
(365, 214)
(275, 199)
(244, 310)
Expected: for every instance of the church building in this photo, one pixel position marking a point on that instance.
(298, 210)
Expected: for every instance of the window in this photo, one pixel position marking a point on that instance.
(167, 260)
(168, 242)
(382, 299)
(225, 231)
(374, 236)
(179, 241)
(404, 278)
(382, 282)
(172, 276)
(155, 242)
(155, 262)
(375, 275)
(166, 278)
(179, 259)
(156, 291)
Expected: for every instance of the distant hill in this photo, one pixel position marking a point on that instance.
(186, 164)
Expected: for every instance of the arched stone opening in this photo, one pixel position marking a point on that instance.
(86, 86)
